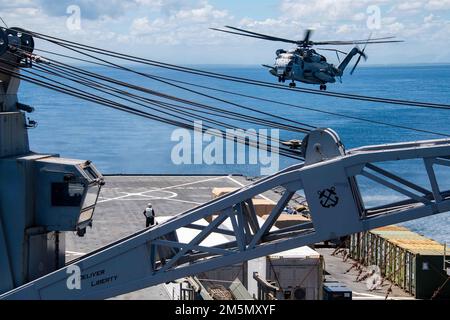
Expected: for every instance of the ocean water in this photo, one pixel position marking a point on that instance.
(118, 142)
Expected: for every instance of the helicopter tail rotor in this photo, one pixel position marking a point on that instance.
(361, 54)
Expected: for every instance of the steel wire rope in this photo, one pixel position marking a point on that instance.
(267, 100)
(63, 42)
(194, 91)
(96, 99)
(220, 112)
(156, 103)
(149, 91)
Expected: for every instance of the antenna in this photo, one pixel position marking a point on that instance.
(4, 22)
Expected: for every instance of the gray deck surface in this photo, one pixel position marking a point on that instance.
(124, 198)
(338, 270)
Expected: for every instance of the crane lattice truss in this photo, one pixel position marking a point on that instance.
(328, 180)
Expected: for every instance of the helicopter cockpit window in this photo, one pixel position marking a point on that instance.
(66, 194)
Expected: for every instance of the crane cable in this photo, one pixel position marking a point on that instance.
(307, 128)
(219, 111)
(196, 92)
(95, 85)
(71, 45)
(402, 101)
(170, 106)
(99, 100)
(376, 122)
(208, 119)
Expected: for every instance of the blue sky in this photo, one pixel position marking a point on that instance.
(177, 30)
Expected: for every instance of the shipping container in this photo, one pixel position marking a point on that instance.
(409, 260)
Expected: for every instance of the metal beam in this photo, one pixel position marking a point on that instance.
(276, 211)
(432, 177)
(394, 187)
(126, 261)
(401, 180)
(180, 245)
(199, 238)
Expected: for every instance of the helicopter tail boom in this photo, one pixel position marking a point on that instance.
(348, 58)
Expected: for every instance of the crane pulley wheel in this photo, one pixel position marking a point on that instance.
(26, 40)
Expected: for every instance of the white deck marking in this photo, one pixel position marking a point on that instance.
(75, 253)
(161, 189)
(187, 201)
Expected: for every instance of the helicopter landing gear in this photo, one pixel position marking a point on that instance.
(323, 87)
(292, 84)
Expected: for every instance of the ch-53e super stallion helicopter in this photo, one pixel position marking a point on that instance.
(304, 64)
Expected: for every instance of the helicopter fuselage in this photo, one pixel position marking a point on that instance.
(304, 65)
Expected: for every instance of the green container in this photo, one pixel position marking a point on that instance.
(409, 260)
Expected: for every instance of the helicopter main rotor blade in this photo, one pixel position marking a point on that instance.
(252, 36)
(241, 34)
(306, 42)
(335, 50)
(265, 35)
(307, 37)
(361, 41)
(345, 43)
(257, 36)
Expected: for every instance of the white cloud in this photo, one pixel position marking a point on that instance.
(410, 5)
(179, 29)
(428, 18)
(438, 5)
(345, 28)
(360, 16)
(187, 26)
(202, 14)
(308, 9)
(90, 9)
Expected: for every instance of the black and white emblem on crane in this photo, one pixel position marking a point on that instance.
(328, 197)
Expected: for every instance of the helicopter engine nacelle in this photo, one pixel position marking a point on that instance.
(324, 76)
(280, 51)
